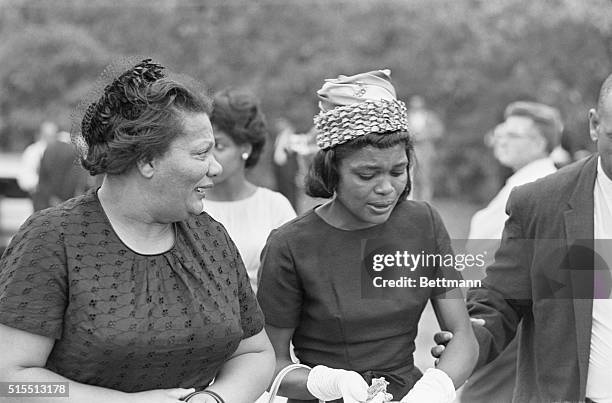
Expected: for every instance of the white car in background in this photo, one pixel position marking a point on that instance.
(15, 205)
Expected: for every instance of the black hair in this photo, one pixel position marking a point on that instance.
(237, 113)
(137, 118)
(322, 178)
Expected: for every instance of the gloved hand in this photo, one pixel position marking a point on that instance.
(329, 384)
(434, 387)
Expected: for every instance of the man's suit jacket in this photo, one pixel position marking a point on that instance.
(543, 274)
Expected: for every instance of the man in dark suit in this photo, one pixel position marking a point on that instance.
(61, 177)
(552, 271)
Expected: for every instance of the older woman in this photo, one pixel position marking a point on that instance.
(249, 212)
(319, 287)
(130, 293)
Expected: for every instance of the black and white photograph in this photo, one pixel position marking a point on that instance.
(282, 201)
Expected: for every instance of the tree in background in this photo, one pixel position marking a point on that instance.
(467, 58)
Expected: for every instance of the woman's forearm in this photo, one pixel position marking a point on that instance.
(244, 377)
(78, 392)
(294, 383)
(459, 357)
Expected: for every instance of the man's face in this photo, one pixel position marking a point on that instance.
(517, 142)
(600, 125)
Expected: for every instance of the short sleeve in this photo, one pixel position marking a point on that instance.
(280, 291)
(444, 248)
(33, 279)
(251, 317)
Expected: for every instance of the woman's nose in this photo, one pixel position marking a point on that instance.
(214, 168)
(384, 187)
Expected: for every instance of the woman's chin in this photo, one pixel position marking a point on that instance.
(197, 208)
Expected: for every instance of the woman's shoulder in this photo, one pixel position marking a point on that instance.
(76, 210)
(50, 229)
(415, 213)
(271, 196)
(204, 222)
(300, 226)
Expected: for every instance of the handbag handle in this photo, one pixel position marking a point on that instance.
(279, 379)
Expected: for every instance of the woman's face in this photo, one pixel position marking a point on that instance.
(184, 172)
(370, 183)
(229, 155)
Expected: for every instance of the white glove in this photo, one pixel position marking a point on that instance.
(330, 384)
(434, 387)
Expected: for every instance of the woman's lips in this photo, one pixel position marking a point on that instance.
(381, 207)
(382, 204)
(202, 189)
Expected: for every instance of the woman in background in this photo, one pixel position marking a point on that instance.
(249, 212)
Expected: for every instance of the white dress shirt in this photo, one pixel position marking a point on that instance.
(30, 163)
(599, 378)
(488, 223)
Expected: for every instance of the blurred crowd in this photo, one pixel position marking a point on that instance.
(50, 172)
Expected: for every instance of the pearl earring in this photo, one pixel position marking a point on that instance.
(245, 156)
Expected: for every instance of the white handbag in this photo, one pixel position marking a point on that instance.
(279, 379)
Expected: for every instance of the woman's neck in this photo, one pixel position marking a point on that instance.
(335, 214)
(234, 188)
(136, 227)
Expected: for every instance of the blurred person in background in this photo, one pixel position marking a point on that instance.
(293, 153)
(131, 293)
(61, 177)
(523, 143)
(426, 128)
(30, 163)
(561, 154)
(311, 273)
(249, 212)
(285, 160)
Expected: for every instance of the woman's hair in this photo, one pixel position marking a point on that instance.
(139, 114)
(323, 177)
(237, 113)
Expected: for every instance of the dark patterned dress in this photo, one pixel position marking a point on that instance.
(124, 320)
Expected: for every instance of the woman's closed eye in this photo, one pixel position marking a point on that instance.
(368, 176)
(365, 176)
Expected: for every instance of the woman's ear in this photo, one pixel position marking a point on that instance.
(246, 148)
(146, 168)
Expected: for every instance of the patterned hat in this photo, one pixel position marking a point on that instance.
(353, 106)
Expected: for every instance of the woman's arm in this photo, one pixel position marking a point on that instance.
(245, 376)
(461, 353)
(25, 354)
(456, 364)
(294, 384)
